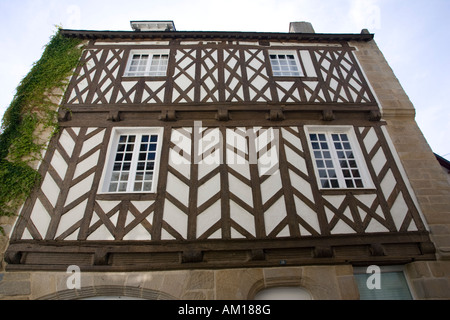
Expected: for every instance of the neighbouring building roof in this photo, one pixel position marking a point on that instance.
(443, 162)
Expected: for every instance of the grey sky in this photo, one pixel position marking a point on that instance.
(412, 34)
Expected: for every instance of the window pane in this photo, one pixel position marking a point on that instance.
(359, 183)
(123, 187)
(147, 186)
(113, 187)
(334, 184)
(393, 287)
(137, 187)
(325, 184)
(139, 176)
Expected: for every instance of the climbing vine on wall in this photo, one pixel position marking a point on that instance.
(33, 110)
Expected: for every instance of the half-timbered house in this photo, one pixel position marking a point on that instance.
(214, 165)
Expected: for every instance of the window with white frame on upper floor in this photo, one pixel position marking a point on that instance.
(133, 161)
(285, 64)
(147, 63)
(337, 158)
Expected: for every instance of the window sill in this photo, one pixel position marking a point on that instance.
(286, 78)
(347, 191)
(126, 196)
(145, 78)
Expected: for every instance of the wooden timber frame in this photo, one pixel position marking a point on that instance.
(99, 99)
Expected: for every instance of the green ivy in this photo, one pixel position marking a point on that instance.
(32, 111)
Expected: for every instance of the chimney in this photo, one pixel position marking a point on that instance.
(301, 27)
(153, 25)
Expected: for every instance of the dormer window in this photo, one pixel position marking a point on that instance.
(147, 64)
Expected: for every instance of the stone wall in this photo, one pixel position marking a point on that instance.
(322, 282)
(429, 279)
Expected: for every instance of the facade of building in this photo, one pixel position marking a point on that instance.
(217, 165)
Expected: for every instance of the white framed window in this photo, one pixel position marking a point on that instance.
(337, 158)
(133, 161)
(147, 63)
(285, 64)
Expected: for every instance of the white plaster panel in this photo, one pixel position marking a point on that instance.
(177, 189)
(41, 218)
(295, 159)
(209, 189)
(208, 218)
(59, 164)
(271, 186)
(134, 43)
(342, 228)
(240, 189)
(307, 214)
(335, 201)
(301, 185)
(92, 142)
(87, 164)
(268, 163)
(367, 199)
(374, 226)
(142, 205)
(307, 63)
(295, 141)
(182, 140)
(209, 163)
(388, 184)
(67, 142)
(181, 164)
(139, 233)
(274, 215)
(27, 235)
(370, 140)
(80, 189)
(242, 217)
(287, 85)
(176, 218)
(399, 210)
(50, 189)
(154, 86)
(101, 234)
(107, 205)
(378, 161)
(69, 219)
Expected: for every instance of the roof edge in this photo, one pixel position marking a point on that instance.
(90, 34)
(442, 161)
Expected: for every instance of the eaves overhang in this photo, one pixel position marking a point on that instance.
(224, 35)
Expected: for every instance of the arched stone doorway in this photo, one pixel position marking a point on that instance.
(109, 293)
(283, 293)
